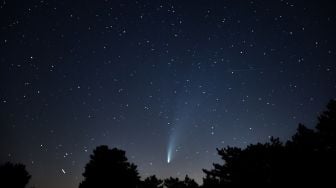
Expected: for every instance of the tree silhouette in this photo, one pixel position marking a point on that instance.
(326, 130)
(13, 175)
(109, 168)
(173, 183)
(309, 158)
(314, 151)
(254, 165)
(152, 182)
(326, 127)
(177, 183)
(189, 183)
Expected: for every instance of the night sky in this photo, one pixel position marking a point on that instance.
(168, 81)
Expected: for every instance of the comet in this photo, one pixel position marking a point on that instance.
(168, 158)
(170, 148)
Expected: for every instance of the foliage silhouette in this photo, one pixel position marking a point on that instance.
(176, 183)
(314, 151)
(309, 158)
(13, 175)
(189, 183)
(109, 168)
(152, 182)
(253, 165)
(173, 183)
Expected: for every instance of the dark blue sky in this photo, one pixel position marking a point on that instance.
(157, 77)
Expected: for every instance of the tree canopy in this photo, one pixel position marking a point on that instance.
(109, 168)
(13, 175)
(308, 158)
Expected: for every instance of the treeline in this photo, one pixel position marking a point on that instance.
(305, 160)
